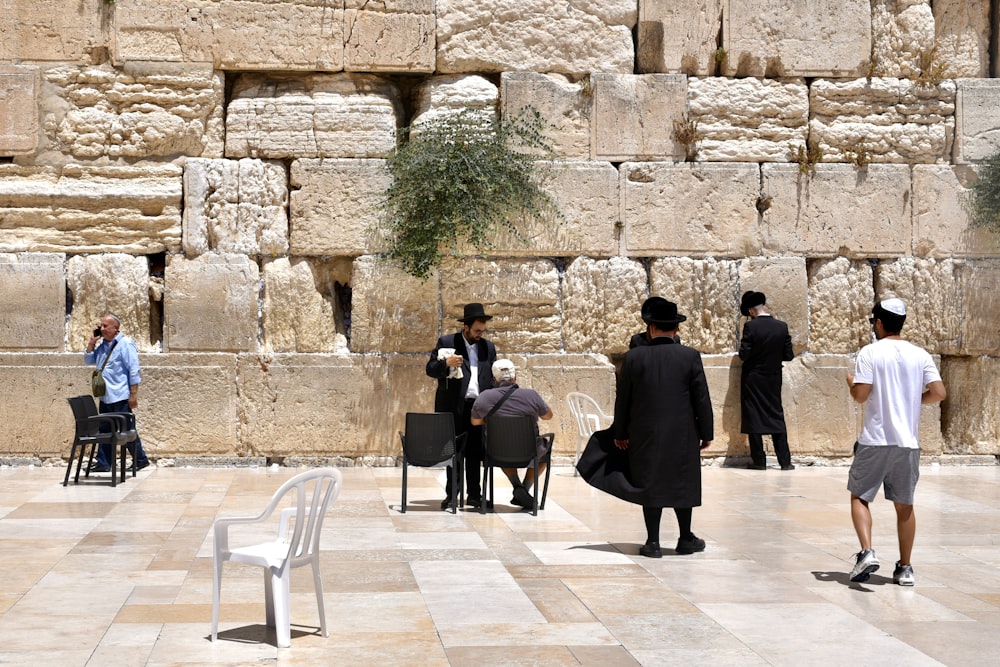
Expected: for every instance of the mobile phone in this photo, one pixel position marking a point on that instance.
(97, 332)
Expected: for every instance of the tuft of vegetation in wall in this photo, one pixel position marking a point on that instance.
(687, 135)
(984, 196)
(462, 177)
(807, 157)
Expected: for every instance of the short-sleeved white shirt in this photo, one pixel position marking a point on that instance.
(898, 372)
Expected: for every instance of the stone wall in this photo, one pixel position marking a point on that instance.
(210, 172)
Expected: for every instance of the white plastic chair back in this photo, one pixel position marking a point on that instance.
(589, 418)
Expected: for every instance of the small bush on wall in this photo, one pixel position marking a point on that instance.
(984, 197)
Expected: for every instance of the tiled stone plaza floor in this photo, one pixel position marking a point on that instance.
(102, 576)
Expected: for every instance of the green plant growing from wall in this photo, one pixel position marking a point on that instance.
(859, 155)
(807, 157)
(983, 201)
(462, 177)
(933, 69)
(687, 135)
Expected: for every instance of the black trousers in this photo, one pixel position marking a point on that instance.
(472, 459)
(780, 443)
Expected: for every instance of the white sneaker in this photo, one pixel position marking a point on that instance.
(903, 575)
(866, 564)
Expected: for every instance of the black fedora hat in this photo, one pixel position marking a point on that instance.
(648, 304)
(751, 299)
(473, 312)
(664, 314)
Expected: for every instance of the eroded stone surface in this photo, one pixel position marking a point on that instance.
(18, 109)
(302, 307)
(601, 300)
(962, 32)
(441, 95)
(933, 294)
(902, 34)
(940, 214)
(110, 283)
(706, 291)
(389, 307)
(972, 413)
(783, 280)
(678, 36)
(564, 106)
(841, 297)
(977, 128)
(32, 301)
(634, 116)
(389, 36)
(980, 306)
(52, 30)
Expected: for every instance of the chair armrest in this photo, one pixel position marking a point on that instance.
(127, 418)
(109, 418)
(221, 528)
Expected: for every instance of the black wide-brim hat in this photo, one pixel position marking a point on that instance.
(751, 299)
(664, 314)
(473, 312)
(647, 304)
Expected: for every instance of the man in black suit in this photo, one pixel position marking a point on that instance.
(461, 374)
(766, 343)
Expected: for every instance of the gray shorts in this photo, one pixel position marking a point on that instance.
(898, 468)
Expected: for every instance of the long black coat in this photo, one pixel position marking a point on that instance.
(765, 344)
(663, 409)
(450, 394)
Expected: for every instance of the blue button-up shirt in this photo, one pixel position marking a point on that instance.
(122, 370)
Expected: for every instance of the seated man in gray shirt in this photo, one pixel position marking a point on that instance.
(520, 403)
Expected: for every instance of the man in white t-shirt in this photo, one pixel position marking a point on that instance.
(892, 378)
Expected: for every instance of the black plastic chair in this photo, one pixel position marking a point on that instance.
(514, 442)
(119, 431)
(430, 440)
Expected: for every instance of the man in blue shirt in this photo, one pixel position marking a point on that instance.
(121, 375)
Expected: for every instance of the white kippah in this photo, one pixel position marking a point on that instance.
(503, 369)
(894, 306)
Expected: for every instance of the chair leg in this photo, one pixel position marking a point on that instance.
(487, 492)
(402, 502)
(280, 584)
(576, 458)
(455, 490)
(534, 496)
(216, 594)
(548, 471)
(69, 466)
(318, 583)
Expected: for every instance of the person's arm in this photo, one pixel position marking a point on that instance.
(934, 393)
(859, 391)
(90, 355)
(789, 351)
(623, 398)
(547, 415)
(131, 362)
(438, 368)
(746, 342)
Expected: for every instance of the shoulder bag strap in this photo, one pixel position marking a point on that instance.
(108, 358)
(497, 405)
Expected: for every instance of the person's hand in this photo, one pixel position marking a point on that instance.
(92, 343)
(850, 379)
(133, 402)
(454, 360)
(621, 444)
(705, 444)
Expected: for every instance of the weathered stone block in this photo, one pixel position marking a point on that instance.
(311, 405)
(600, 304)
(389, 36)
(971, 411)
(235, 206)
(821, 416)
(962, 36)
(522, 295)
(690, 209)
(794, 38)
(841, 297)
(838, 211)
(32, 301)
(902, 34)
(981, 307)
(334, 206)
(52, 30)
(18, 109)
(783, 280)
(933, 293)
(141, 111)
(210, 303)
(564, 106)
(388, 306)
(535, 36)
(302, 309)
(748, 120)
(232, 34)
(977, 128)
(706, 291)
(891, 120)
(634, 116)
(940, 214)
(110, 283)
(410, 390)
(678, 37)
(90, 209)
(306, 116)
(444, 95)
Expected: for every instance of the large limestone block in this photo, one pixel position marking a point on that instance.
(522, 296)
(600, 303)
(933, 293)
(971, 413)
(633, 116)
(535, 36)
(141, 111)
(389, 36)
(564, 105)
(388, 306)
(893, 120)
(232, 34)
(211, 304)
(19, 109)
(723, 375)
(317, 115)
(940, 214)
(902, 34)
(302, 305)
(32, 301)
(748, 120)
(962, 36)
(110, 283)
(409, 390)
(981, 307)
(706, 291)
(235, 206)
(678, 36)
(334, 206)
(840, 301)
(838, 211)
(314, 405)
(90, 209)
(783, 280)
(690, 209)
(795, 38)
(977, 126)
(53, 30)
(455, 92)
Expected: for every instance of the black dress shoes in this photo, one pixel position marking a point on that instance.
(651, 550)
(790, 466)
(757, 466)
(97, 467)
(690, 544)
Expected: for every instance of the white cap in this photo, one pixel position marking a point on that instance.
(503, 369)
(894, 306)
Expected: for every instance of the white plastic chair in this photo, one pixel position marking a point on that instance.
(312, 492)
(589, 418)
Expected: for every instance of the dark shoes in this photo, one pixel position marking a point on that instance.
(97, 467)
(756, 466)
(446, 503)
(690, 544)
(522, 498)
(790, 466)
(652, 550)
(142, 464)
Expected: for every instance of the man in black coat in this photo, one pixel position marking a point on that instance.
(643, 337)
(663, 419)
(766, 343)
(461, 373)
